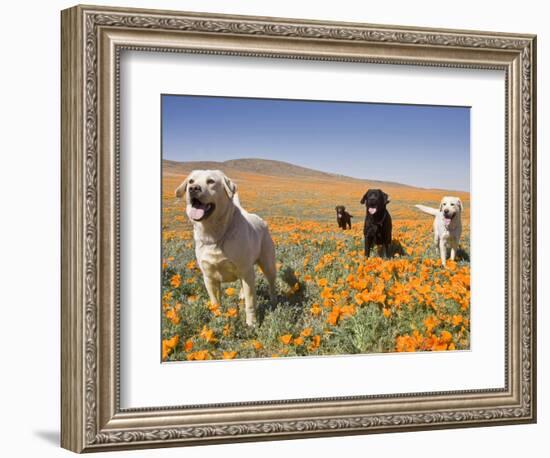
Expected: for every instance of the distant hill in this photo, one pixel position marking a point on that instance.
(266, 167)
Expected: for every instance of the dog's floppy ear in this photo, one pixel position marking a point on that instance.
(441, 205)
(364, 198)
(180, 191)
(229, 186)
(386, 198)
(459, 202)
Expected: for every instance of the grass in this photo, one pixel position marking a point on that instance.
(331, 300)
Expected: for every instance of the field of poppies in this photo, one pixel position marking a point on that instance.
(331, 300)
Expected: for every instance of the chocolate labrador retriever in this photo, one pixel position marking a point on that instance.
(343, 218)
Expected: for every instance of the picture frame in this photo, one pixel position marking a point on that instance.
(93, 39)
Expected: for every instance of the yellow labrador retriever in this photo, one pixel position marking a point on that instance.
(447, 225)
(229, 241)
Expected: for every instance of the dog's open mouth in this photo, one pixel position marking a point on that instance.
(448, 218)
(200, 211)
(372, 210)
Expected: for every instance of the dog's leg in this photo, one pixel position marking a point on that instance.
(454, 249)
(442, 252)
(249, 288)
(241, 296)
(368, 247)
(241, 293)
(213, 288)
(268, 265)
(270, 272)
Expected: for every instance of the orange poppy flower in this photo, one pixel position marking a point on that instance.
(188, 345)
(232, 312)
(286, 338)
(198, 355)
(298, 341)
(173, 316)
(257, 345)
(315, 342)
(315, 310)
(175, 281)
(208, 335)
(457, 320)
(168, 346)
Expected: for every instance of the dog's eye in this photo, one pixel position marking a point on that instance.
(210, 181)
(191, 181)
(452, 205)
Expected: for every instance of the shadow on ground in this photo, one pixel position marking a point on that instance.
(462, 255)
(296, 300)
(396, 248)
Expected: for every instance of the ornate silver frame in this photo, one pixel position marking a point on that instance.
(92, 38)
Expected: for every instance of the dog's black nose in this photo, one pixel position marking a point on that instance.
(445, 212)
(194, 189)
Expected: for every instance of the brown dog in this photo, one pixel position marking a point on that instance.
(343, 218)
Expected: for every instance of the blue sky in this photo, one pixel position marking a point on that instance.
(426, 146)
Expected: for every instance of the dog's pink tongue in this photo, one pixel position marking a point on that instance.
(372, 211)
(447, 221)
(195, 213)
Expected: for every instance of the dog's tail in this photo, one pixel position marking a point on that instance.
(428, 210)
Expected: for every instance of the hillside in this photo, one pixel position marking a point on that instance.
(269, 168)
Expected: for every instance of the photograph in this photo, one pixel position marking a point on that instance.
(296, 228)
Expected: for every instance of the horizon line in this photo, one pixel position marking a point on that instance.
(321, 171)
